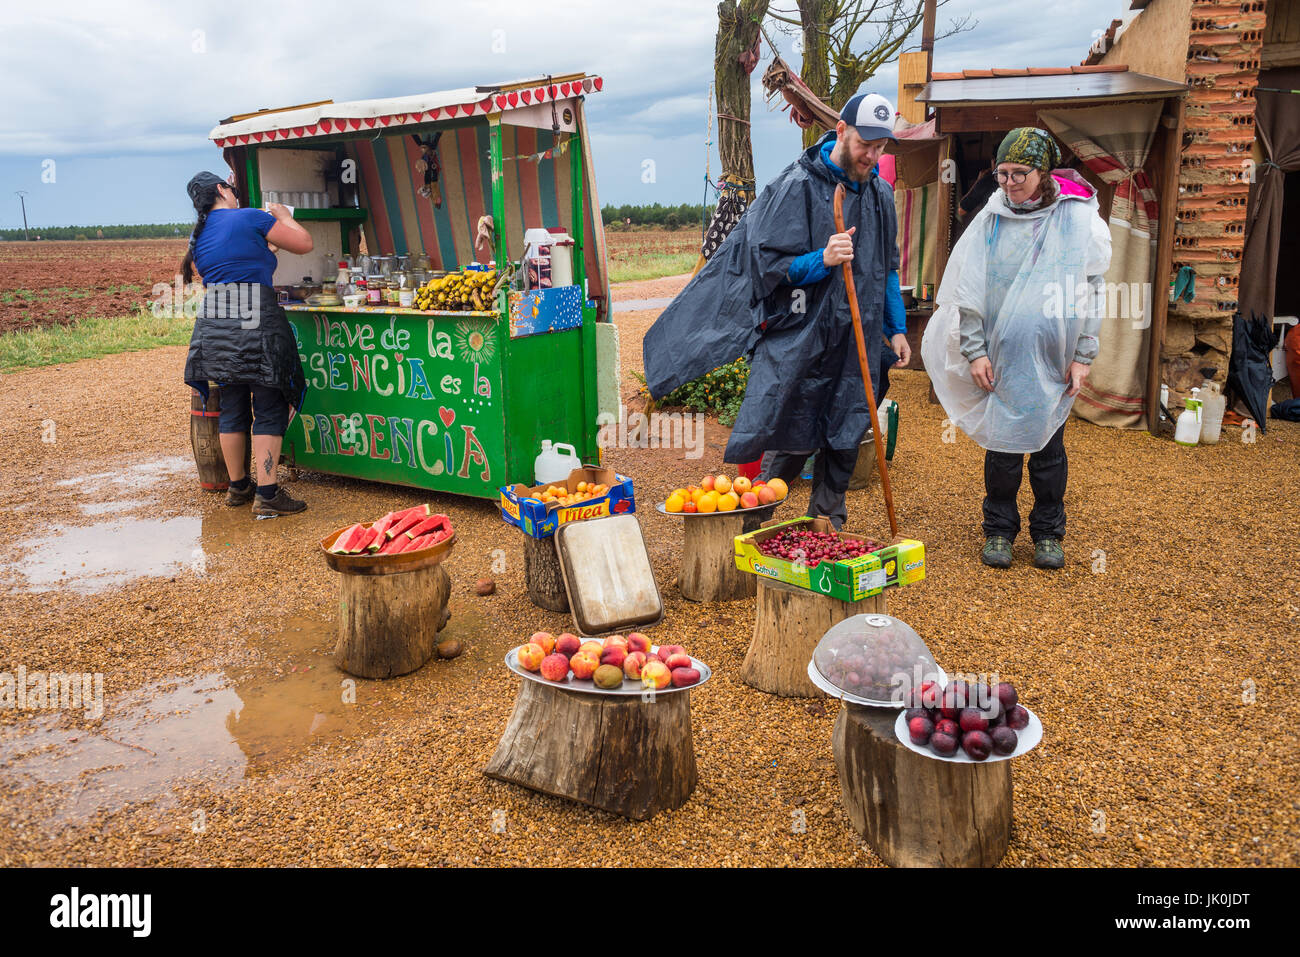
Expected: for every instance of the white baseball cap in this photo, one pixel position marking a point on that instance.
(871, 115)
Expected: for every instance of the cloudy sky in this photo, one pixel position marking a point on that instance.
(113, 101)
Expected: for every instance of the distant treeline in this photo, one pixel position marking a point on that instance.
(669, 217)
(143, 231)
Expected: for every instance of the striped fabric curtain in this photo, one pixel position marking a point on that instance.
(1114, 142)
(537, 193)
(918, 234)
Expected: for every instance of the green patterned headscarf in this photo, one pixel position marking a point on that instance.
(1029, 146)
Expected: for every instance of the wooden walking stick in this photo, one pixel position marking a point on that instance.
(866, 370)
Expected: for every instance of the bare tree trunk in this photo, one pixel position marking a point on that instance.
(738, 24)
(816, 72)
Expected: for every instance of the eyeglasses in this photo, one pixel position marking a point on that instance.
(1016, 176)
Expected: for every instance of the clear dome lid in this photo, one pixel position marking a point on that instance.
(874, 659)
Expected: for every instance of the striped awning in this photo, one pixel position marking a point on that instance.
(335, 119)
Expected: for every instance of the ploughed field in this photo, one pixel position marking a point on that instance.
(1161, 660)
(42, 283)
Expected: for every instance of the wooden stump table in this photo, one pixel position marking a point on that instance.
(913, 810)
(708, 570)
(788, 623)
(389, 620)
(542, 574)
(621, 753)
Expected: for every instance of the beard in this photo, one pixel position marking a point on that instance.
(841, 158)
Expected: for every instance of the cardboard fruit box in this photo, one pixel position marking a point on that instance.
(522, 506)
(851, 579)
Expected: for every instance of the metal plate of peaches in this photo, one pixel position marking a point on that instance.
(629, 688)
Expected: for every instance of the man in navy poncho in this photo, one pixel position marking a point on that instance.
(774, 291)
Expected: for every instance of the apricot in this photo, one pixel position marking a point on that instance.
(655, 674)
(614, 655)
(592, 647)
(567, 644)
(633, 663)
(584, 665)
(638, 642)
(530, 656)
(679, 660)
(779, 487)
(765, 495)
(545, 639)
(749, 500)
(706, 483)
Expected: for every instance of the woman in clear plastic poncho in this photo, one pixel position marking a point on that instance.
(1015, 333)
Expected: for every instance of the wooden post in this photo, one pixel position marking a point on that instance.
(205, 441)
(788, 623)
(388, 624)
(944, 212)
(913, 74)
(708, 571)
(623, 754)
(916, 811)
(542, 574)
(1172, 127)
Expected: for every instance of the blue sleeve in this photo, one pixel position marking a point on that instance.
(808, 269)
(260, 220)
(895, 314)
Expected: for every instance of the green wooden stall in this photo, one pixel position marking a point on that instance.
(449, 401)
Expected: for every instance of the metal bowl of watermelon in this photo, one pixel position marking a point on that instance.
(402, 541)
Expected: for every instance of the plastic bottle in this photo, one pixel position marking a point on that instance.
(1213, 404)
(1187, 431)
(555, 463)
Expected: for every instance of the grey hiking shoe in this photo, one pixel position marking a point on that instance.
(997, 552)
(282, 504)
(235, 498)
(1048, 553)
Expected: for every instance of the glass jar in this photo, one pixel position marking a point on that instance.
(375, 290)
(405, 294)
(392, 294)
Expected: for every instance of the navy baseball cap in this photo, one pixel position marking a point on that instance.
(871, 115)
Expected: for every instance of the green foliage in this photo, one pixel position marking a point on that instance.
(92, 336)
(720, 392)
(137, 231)
(670, 217)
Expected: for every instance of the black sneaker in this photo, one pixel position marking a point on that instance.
(1048, 553)
(282, 504)
(235, 498)
(997, 552)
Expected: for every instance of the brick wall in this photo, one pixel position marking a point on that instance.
(1221, 67)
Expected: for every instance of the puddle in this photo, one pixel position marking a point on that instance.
(92, 558)
(630, 305)
(217, 727)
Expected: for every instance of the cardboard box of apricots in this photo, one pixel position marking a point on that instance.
(850, 579)
(523, 507)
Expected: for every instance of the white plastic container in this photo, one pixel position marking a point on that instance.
(1188, 429)
(1213, 404)
(555, 463)
(561, 259)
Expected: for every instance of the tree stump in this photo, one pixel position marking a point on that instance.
(913, 810)
(542, 574)
(205, 441)
(708, 571)
(864, 472)
(788, 623)
(617, 753)
(389, 623)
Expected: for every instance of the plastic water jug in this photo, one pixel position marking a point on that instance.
(1213, 404)
(1187, 431)
(555, 463)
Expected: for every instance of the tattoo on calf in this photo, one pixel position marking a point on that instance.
(269, 467)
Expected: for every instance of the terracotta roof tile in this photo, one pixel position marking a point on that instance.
(1030, 71)
(1101, 68)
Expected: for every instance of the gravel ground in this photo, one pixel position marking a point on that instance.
(226, 739)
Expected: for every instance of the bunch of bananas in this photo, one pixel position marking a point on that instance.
(468, 290)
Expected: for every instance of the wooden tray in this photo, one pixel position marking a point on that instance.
(383, 564)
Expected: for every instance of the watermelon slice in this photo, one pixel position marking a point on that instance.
(430, 524)
(349, 536)
(393, 546)
(415, 544)
(413, 518)
(383, 524)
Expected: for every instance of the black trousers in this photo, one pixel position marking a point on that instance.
(1048, 470)
(832, 469)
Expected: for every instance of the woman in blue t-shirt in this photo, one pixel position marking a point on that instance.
(242, 340)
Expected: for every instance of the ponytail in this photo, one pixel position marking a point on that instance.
(203, 203)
